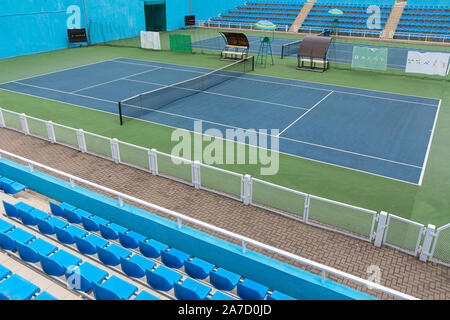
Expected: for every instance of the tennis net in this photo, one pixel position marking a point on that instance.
(144, 103)
(290, 49)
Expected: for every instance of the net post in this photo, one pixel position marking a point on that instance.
(120, 113)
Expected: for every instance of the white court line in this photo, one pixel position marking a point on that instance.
(237, 142)
(59, 91)
(230, 126)
(424, 165)
(122, 78)
(311, 109)
(307, 87)
(224, 95)
(52, 72)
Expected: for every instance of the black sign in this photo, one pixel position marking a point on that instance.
(189, 20)
(77, 35)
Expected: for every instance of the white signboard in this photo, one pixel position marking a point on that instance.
(150, 40)
(428, 62)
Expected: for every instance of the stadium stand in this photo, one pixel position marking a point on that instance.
(354, 20)
(423, 20)
(280, 12)
(116, 262)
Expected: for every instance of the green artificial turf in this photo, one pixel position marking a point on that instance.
(428, 203)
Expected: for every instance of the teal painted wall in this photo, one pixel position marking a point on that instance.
(277, 275)
(31, 26)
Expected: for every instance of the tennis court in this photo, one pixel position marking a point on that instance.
(375, 132)
(341, 52)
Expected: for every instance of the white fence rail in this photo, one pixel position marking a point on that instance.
(331, 215)
(32, 165)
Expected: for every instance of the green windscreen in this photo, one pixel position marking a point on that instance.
(369, 58)
(180, 42)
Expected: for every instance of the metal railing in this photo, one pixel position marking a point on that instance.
(402, 234)
(245, 241)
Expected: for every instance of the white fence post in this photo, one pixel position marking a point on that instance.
(380, 229)
(426, 248)
(247, 190)
(115, 153)
(24, 123)
(50, 131)
(81, 141)
(196, 178)
(153, 161)
(306, 209)
(2, 121)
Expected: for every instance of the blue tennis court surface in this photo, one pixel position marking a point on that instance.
(341, 52)
(375, 132)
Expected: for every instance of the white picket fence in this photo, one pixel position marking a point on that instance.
(360, 223)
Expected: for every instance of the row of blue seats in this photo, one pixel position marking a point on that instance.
(422, 35)
(425, 18)
(346, 11)
(352, 31)
(338, 25)
(423, 13)
(11, 187)
(14, 287)
(341, 20)
(250, 21)
(426, 7)
(137, 266)
(424, 23)
(280, 11)
(57, 262)
(255, 19)
(346, 15)
(424, 29)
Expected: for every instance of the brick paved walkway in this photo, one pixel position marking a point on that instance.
(399, 271)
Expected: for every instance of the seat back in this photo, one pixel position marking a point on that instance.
(84, 246)
(101, 293)
(107, 257)
(127, 241)
(6, 242)
(26, 217)
(89, 225)
(148, 250)
(64, 236)
(107, 232)
(56, 209)
(44, 226)
(131, 269)
(10, 209)
(51, 267)
(26, 253)
(72, 217)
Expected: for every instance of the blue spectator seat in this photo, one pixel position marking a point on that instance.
(4, 272)
(144, 295)
(276, 295)
(251, 290)
(111, 231)
(92, 223)
(198, 268)
(29, 217)
(8, 240)
(17, 288)
(59, 209)
(45, 296)
(5, 226)
(88, 245)
(162, 278)
(86, 274)
(131, 239)
(11, 210)
(30, 252)
(152, 248)
(136, 265)
(191, 290)
(111, 255)
(68, 234)
(174, 258)
(48, 226)
(59, 263)
(74, 216)
(223, 279)
(11, 187)
(113, 288)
